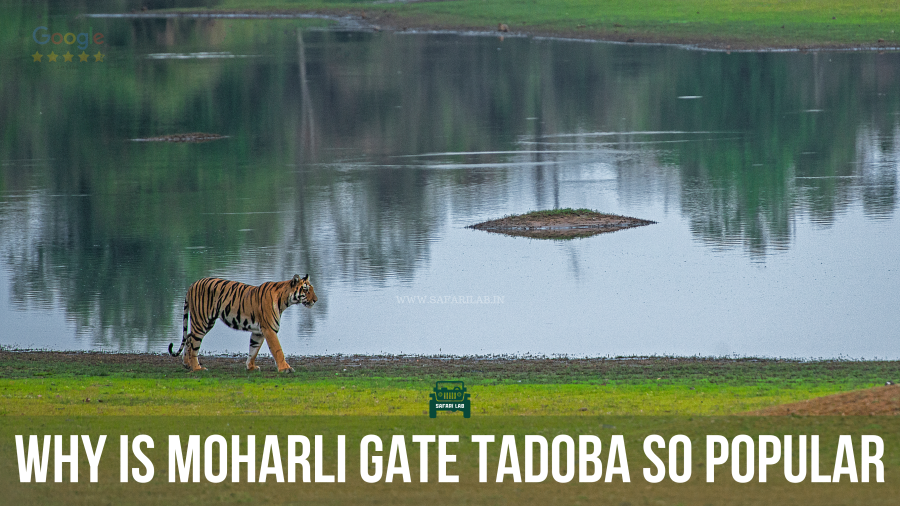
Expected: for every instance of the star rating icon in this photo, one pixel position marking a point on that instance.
(37, 57)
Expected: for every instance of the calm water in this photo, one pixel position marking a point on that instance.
(360, 158)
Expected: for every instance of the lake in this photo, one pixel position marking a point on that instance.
(360, 158)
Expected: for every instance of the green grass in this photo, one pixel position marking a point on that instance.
(96, 384)
(195, 396)
(752, 23)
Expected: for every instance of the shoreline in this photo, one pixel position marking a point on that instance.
(483, 364)
(487, 358)
(400, 22)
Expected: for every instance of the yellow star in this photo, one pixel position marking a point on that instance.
(68, 56)
(99, 56)
(37, 56)
(52, 56)
(83, 56)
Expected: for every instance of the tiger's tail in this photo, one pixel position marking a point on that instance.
(183, 332)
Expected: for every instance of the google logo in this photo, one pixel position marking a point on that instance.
(41, 36)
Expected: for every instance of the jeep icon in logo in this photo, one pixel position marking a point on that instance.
(450, 396)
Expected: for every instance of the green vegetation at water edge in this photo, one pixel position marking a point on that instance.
(720, 23)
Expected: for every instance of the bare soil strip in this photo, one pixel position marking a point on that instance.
(872, 401)
(545, 369)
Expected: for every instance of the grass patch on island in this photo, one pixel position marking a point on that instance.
(567, 211)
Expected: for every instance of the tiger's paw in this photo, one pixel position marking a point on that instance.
(252, 367)
(200, 368)
(286, 370)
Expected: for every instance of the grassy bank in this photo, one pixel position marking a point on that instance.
(598, 397)
(37, 383)
(719, 23)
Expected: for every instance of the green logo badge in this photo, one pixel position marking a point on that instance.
(449, 396)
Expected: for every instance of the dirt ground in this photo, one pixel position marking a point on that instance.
(718, 370)
(394, 365)
(871, 401)
(561, 226)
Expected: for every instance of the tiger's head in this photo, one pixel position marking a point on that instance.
(301, 291)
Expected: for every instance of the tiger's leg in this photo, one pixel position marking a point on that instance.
(191, 353)
(195, 339)
(256, 341)
(275, 348)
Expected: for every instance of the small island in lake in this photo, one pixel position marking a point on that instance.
(191, 137)
(560, 224)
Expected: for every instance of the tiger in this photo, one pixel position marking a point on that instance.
(242, 307)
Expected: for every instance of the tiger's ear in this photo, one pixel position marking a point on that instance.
(306, 278)
(295, 280)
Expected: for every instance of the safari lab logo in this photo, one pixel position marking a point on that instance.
(43, 36)
(449, 396)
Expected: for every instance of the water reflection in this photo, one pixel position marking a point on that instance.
(356, 156)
